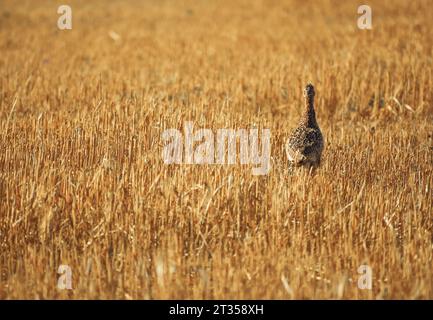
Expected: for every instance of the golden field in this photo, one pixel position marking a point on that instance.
(83, 183)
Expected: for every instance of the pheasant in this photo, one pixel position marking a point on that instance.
(305, 145)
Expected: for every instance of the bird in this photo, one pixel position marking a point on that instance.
(305, 144)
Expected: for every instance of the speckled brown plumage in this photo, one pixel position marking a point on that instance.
(305, 145)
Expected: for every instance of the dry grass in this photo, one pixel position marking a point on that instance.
(82, 180)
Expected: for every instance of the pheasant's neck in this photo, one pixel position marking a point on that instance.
(309, 116)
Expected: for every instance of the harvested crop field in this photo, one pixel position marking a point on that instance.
(83, 183)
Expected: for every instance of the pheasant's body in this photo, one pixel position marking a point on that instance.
(305, 145)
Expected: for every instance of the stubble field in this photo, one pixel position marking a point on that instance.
(83, 183)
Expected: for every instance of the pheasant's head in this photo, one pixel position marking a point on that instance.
(309, 91)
